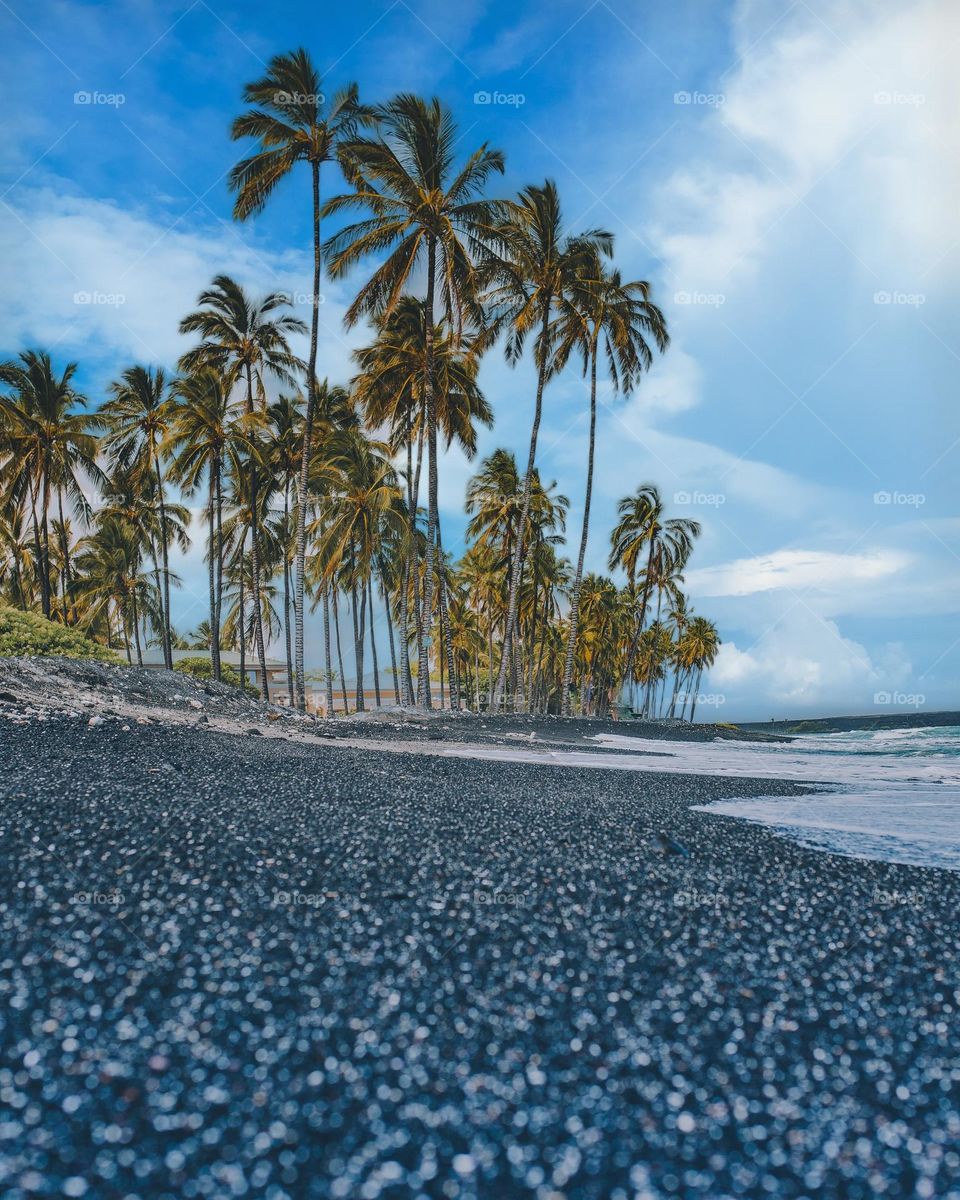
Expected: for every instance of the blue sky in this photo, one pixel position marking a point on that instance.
(784, 174)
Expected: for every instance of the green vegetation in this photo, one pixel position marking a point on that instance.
(27, 633)
(202, 668)
(325, 493)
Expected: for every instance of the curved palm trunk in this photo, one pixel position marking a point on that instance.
(505, 653)
(301, 699)
(423, 681)
(578, 577)
(165, 605)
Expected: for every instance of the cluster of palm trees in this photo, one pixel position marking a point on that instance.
(313, 493)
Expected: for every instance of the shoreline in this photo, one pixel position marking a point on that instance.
(416, 972)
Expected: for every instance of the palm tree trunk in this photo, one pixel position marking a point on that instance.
(373, 645)
(286, 591)
(524, 515)
(628, 671)
(255, 556)
(243, 618)
(578, 577)
(65, 577)
(327, 666)
(211, 563)
(136, 629)
(46, 543)
(336, 625)
(165, 604)
(37, 546)
(218, 551)
(452, 681)
(393, 651)
(423, 698)
(301, 700)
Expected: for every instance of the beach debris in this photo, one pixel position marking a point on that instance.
(196, 703)
(94, 721)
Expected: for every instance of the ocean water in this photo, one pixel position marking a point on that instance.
(894, 795)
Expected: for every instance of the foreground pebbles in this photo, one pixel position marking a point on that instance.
(248, 967)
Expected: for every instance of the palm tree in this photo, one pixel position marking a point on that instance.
(602, 312)
(645, 541)
(293, 124)
(427, 214)
(700, 645)
(110, 562)
(244, 342)
(51, 448)
(137, 420)
(284, 454)
(206, 440)
(368, 501)
(531, 268)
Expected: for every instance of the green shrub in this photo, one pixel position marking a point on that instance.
(202, 668)
(27, 634)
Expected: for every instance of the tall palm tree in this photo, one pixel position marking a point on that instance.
(52, 447)
(426, 214)
(245, 341)
(292, 122)
(206, 439)
(603, 313)
(645, 541)
(284, 454)
(137, 419)
(531, 267)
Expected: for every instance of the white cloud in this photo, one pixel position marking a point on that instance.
(92, 276)
(855, 102)
(822, 570)
(804, 663)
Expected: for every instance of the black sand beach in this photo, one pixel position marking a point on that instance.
(248, 966)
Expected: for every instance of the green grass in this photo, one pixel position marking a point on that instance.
(202, 668)
(29, 634)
